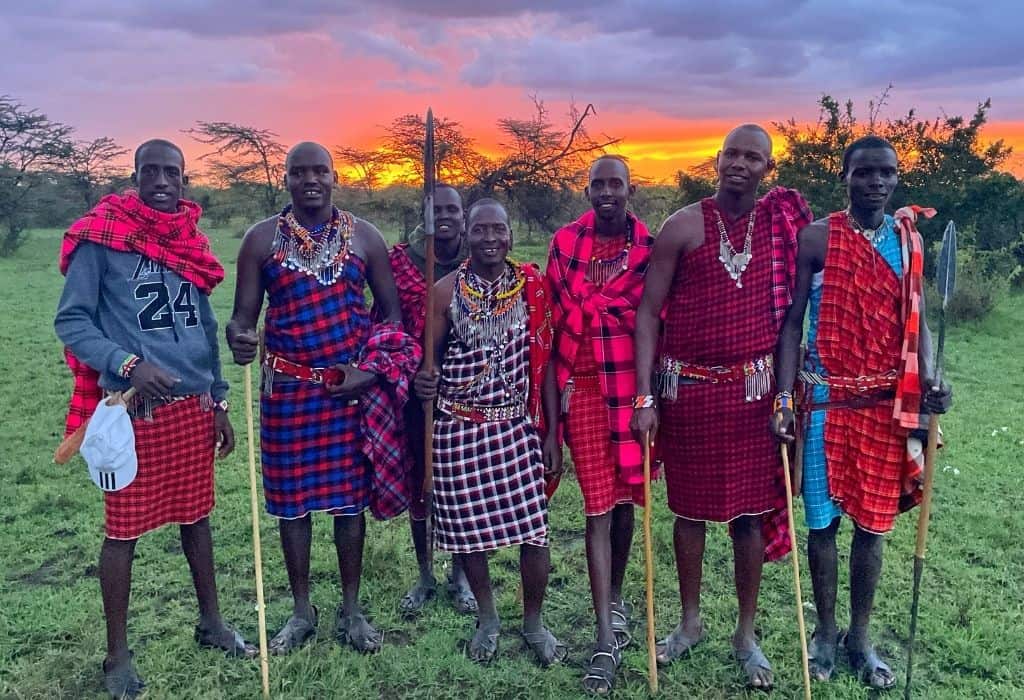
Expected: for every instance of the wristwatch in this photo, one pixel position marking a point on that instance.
(221, 405)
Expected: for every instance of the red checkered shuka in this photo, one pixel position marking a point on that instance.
(123, 223)
(412, 290)
(790, 213)
(540, 337)
(174, 484)
(394, 356)
(720, 461)
(606, 316)
(861, 333)
(907, 407)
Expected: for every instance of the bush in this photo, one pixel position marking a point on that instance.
(976, 295)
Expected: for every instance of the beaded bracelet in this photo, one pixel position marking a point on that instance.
(125, 370)
(643, 401)
(783, 399)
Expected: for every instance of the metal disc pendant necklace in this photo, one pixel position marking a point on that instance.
(734, 263)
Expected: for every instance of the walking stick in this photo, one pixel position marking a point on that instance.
(73, 442)
(261, 611)
(428, 322)
(652, 661)
(796, 572)
(945, 280)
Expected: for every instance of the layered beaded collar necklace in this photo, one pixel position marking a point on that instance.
(483, 311)
(735, 263)
(873, 235)
(319, 251)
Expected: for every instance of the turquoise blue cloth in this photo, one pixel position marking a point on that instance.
(819, 508)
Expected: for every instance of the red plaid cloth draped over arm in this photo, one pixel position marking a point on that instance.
(394, 356)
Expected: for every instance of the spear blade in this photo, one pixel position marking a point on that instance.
(945, 270)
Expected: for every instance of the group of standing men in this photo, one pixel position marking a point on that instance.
(689, 340)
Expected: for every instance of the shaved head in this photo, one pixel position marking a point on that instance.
(756, 130)
(307, 147)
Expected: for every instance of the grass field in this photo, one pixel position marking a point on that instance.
(51, 626)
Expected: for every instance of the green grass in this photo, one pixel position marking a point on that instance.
(51, 623)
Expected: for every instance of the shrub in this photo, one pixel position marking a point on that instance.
(976, 295)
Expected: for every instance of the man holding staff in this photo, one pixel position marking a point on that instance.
(313, 262)
(868, 359)
(595, 275)
(135, 312)
(721, 270)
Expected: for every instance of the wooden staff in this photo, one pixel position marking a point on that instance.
(652, 660)
(261, 611)
(69, 447)
(796, 572)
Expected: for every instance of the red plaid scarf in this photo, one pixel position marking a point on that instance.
(123, 223)
(393, 355)
(608, 315)
(538, 322)
(907, 408)
(790, 213)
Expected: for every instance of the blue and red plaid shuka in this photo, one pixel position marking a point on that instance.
(311, 443)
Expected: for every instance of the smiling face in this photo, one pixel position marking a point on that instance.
(489, 235)
(159, 175)
(871, 176)
(309, 176)
(449, 219)
(609, 189)
(745, 158)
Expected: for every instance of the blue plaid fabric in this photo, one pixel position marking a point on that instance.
(819, 508)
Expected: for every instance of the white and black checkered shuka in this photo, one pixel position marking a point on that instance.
(488, 477)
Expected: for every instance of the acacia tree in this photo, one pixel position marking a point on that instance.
(454, 154)
(91, 164)
(368, 165)
(543, 165)
(31, 147)
(244, 157)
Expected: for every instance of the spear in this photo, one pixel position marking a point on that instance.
(428, 318)
(945, 280)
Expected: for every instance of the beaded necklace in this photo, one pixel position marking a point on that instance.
(600, 270)
(320, 251)
(873, 235)
(735, 263)
(483, 311)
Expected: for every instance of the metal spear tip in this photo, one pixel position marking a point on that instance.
(945, 268)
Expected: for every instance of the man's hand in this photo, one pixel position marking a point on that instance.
(223, 433)
(151, 381)
(425, 383)
(552, 454)
(937, 399)
(354, 384)
(244, 343)
(644, 422)
(783, 425)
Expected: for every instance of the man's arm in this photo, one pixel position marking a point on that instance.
(677, 237)
(810, 259)
(249, 291)
(76, 312)
(427, 382)
(370, 246)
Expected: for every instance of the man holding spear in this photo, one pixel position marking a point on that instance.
(408, 265)
(868, 365)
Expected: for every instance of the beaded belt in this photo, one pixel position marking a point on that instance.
(316, 375)
(757, 375)
(584, 381)
(870, 390)
(480, 414)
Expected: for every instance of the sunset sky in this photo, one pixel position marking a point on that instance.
(669, 77)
